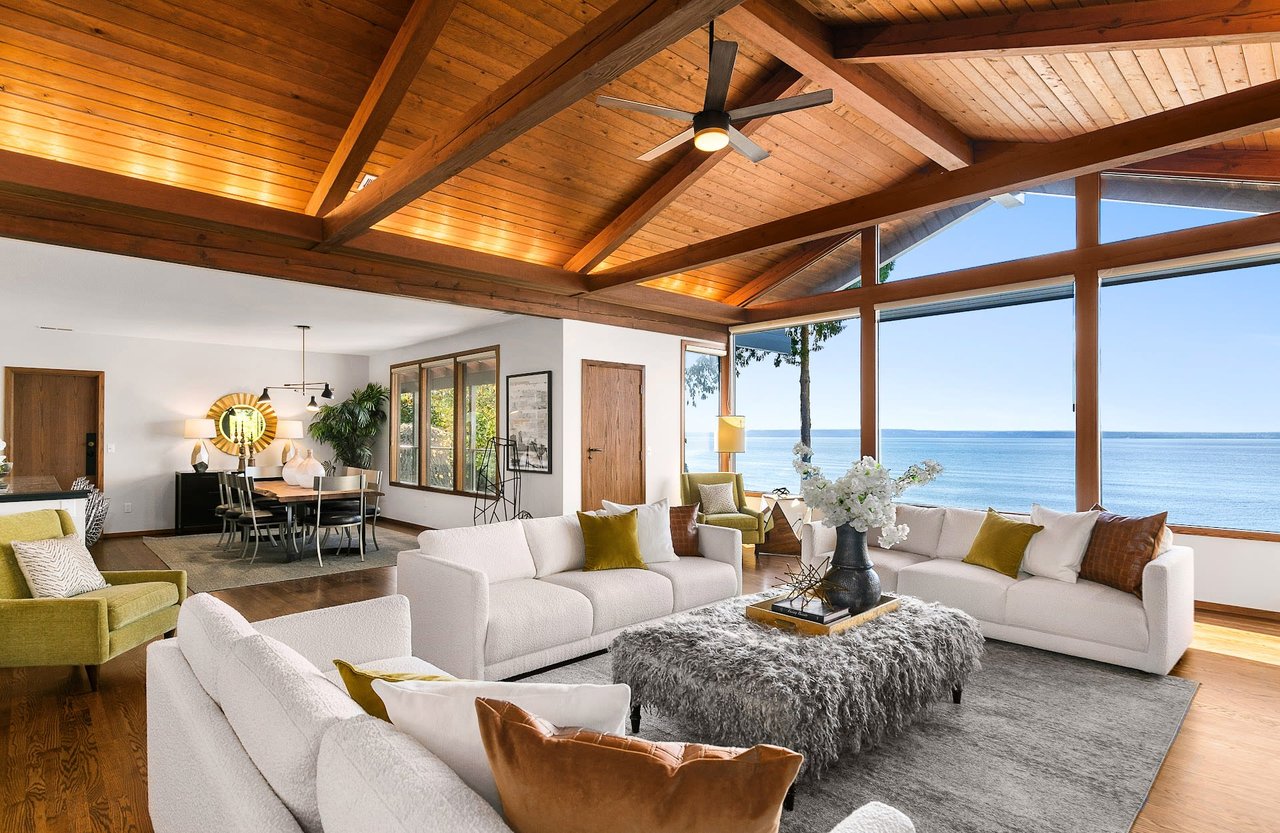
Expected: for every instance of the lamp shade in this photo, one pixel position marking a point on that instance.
(731, 434)
(200, 429)
(289, 429)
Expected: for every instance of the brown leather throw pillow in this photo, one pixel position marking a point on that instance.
(1120, 549)
(684, 529)
(581, 781)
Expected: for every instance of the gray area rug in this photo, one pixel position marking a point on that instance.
(209, 567)
(1042, 743)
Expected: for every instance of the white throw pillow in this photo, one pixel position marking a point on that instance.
(1057, 550)
(653, 528)
(442, 717)
(959, 528)
(718, 499)
(57, 568)
(925, 528)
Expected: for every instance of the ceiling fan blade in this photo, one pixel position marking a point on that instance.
(669, 144)
(745, 146)
(723, 54)
(651, 109)
(782, 105)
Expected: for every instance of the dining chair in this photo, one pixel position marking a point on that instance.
(373, 479)
(331, 513)
(254, 522)
(228, 509)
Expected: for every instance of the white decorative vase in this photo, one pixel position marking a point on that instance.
(290, 470)
(307, 470)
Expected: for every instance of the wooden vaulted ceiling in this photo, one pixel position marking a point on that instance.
(250, 99)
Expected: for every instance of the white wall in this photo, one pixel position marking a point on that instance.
(152, 386)
(1236, 572)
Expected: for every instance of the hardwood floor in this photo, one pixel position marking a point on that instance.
(75, 761)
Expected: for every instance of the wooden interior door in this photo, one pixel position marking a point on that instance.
(53, 423)
(612, 433)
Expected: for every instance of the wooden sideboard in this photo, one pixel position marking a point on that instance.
(196, 496)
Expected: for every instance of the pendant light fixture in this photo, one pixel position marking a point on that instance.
(304, 387)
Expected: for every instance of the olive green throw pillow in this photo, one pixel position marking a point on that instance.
(611, 542)
(1001, 543)
(359, 683)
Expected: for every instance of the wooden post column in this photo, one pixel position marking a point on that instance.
(868, 323)
(1088, 291)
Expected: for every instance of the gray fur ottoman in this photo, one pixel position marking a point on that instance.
(733, 682)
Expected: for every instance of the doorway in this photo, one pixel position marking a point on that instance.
(612, 433)
(53, 423)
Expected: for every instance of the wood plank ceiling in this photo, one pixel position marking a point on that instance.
(248, 99)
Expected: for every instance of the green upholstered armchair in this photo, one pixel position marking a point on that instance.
(754, 525)
(88, 629)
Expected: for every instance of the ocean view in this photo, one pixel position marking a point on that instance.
(1222, 480)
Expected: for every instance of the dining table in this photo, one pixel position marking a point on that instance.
(292, 497)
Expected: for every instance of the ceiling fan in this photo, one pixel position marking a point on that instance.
(713, 126)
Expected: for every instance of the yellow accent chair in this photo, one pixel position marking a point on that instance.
(88, 629)
(754, 525)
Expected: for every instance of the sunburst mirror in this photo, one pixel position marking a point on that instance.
(242, 420)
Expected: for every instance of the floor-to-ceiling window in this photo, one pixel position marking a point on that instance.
(1190, 397)
(703, 389)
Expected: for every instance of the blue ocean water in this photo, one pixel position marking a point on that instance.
(1218, 480)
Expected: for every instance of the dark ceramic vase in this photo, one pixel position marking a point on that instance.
(852, 578)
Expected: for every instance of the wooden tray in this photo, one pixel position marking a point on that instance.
(761, 613)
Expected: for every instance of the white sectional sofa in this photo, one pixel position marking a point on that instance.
(250, 731)
(491, 602)
(1083, 619)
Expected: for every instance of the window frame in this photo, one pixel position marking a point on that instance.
(724, 353)
(459, 405)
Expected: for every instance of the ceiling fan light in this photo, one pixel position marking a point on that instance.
(711, 139)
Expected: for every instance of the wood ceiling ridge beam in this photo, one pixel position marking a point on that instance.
(1223, 118)
(1145, 24)
(414, 40)
(618, 39)
(692, 165)
(798, 38)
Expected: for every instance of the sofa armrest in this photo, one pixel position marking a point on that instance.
(875, 818)
(53, 632)
(178, 577)
(722, 543)
(357, 632)
(450, 606)
(816, 541)
(1169, 597)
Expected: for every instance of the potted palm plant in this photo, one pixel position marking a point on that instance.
(351, 426)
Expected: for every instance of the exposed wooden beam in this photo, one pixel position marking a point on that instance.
(1224, 118)
(785, 269)
(692, 165)
(1216, 163)
(1149, 24)
(791, 32)
(1236, 236)
(619, 38)
(413, 42)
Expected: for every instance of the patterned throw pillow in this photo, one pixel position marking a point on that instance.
(1120, 549)
(684, 529)
(718, 498)
(58, 568)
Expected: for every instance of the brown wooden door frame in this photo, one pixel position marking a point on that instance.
(10, 375)
(644, 478)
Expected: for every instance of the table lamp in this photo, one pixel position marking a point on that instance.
(731, 434)
(289, 430)
(200, 429)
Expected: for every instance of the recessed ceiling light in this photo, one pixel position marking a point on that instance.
(365, 180)
(57, 329)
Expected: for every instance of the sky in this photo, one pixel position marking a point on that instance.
(1197, 353)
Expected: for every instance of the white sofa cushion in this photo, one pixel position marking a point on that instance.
(372, 777)
(1056, 551)
(975, 590)
(529, 615)
(555, 544)
(959, 528)
(207, 629)
(888, 563)
(500, 551)
(1083, 610)
(280, 706)
(875, 818)
(698, 581)
(653, 528)
(620, 597)
(442, 717)
(925, 524)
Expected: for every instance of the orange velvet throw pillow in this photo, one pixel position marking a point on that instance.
(581, 781)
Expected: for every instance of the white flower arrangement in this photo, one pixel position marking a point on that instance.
(863, 497)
